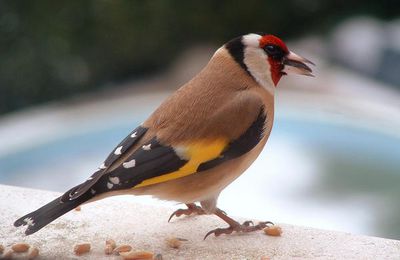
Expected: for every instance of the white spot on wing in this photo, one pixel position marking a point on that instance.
(181, 151)
(109, 185)
(134, 135)
(146, 147)
(118, 150)
(114, 180)
(129, 164)
(72, 194)
(102, 166)
(92, 191)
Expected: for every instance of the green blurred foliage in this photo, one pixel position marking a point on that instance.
(53, 49)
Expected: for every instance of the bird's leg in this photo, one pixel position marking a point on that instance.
(247, 226)
(192, 208)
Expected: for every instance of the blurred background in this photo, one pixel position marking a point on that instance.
(76, 77)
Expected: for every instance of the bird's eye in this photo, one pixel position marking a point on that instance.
(270, 48)
(273, 50)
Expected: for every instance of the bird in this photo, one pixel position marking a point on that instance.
(198, 141)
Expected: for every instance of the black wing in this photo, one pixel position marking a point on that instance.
(151, 160)
(118, 151)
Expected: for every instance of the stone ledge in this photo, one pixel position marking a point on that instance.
(145, 227)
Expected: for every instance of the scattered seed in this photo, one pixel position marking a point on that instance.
(110, 246)
(78, 208)
(33, 253)
(111, 242)
(265, 258)
(275, 231)
(81, 249)
(174, 242)
(20, 247)
(8, 254)
(108, 250)
(139, 255)
(122, 249)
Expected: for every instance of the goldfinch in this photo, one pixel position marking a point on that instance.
(197, 141)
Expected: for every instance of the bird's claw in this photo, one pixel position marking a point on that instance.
(248, 223)
(192, 209)
(247, 226)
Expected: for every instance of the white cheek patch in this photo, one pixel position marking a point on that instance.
(257, 64)
(256, 61)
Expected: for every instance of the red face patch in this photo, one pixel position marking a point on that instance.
(276, 70)
(275, 65)
(271, 39)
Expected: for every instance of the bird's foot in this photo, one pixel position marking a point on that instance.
(192, 209)
(247, 226)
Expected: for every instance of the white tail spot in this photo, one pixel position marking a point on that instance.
(92, 191)
(118, 150)
(109, 185)
(29, 221)
(134, 135)
(129, 164)
(146, 147)
(114, 180)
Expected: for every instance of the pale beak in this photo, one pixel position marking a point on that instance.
(295, 64)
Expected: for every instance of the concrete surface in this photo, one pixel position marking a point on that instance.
(145, 227)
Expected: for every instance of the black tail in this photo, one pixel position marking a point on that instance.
(49, 212)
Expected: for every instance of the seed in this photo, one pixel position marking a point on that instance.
(122, 249)
(81, 249)
(275, 231)
(108, 250)
(174, 242)
(111, 242)
(139, 255)
(20, 247)
(110, 246)
(33, 253)
(78, 208)
(265, 258)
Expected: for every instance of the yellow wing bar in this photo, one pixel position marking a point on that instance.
(197, 153)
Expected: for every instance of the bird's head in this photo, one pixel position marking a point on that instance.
(267, 58)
